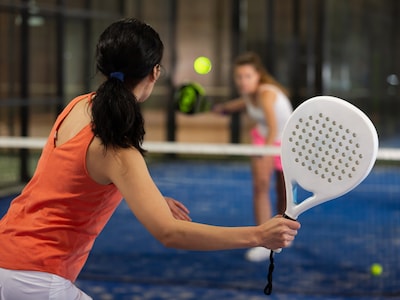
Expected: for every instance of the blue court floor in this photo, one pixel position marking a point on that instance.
(330, 259)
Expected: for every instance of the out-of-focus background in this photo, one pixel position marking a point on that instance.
(348, 49)
(344, 48)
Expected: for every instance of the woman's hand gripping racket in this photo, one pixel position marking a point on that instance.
(328, 147)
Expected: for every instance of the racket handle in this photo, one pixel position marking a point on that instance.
(279, 250)
(287, 217)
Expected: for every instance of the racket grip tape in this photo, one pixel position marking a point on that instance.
(279, 250)
(289, 218)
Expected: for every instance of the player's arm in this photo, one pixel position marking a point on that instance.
(266, 100)
(231, 106)
(99, 173)
(128, 171)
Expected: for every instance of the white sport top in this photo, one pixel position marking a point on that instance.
(283, 109)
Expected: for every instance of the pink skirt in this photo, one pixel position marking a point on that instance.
(258, 140)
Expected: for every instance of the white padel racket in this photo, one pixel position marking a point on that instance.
(328, 147)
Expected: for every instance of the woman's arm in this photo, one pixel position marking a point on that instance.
(231, 106)
(127, 170)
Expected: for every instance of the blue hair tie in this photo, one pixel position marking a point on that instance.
(119, 75)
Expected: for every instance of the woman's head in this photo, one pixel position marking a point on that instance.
(249, 73)
(128, 54)
(130, 47)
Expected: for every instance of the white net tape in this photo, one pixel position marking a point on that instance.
(188, 148)
(159, 147)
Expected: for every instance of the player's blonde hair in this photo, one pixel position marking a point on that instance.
(251, 58)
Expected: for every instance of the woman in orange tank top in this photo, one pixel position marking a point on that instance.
(95, 150)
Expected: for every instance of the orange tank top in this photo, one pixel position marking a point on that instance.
(51, 226)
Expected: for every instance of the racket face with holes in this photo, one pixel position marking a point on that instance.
(328, 147)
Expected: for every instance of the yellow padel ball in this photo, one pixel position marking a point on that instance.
(376, 269)
(202, 65)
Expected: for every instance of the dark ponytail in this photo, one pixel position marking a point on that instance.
(127, 52)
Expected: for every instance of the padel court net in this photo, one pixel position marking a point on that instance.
(331, 257)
